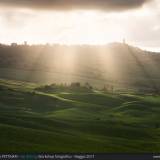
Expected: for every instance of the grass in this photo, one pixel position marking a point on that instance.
(34, 121)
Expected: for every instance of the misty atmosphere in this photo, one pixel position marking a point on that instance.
(81, 76)
(117, 64)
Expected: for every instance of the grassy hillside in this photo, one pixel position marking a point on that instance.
(76, 121)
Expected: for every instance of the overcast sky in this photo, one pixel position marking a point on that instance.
(81, 21)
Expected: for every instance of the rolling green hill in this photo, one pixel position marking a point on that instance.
(72, 121)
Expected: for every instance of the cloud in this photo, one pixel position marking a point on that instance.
(106, 5)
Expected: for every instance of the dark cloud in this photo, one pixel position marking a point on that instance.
(108, 5)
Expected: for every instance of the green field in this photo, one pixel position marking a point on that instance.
(76, 121)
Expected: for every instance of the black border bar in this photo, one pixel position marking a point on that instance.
(78, 156)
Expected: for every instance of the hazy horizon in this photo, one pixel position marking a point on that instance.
(150, 49)
(81, 22)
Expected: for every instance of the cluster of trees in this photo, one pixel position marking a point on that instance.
(72, 86)
(78, 85)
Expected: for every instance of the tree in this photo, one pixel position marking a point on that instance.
(88, 86)
(75, 84)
